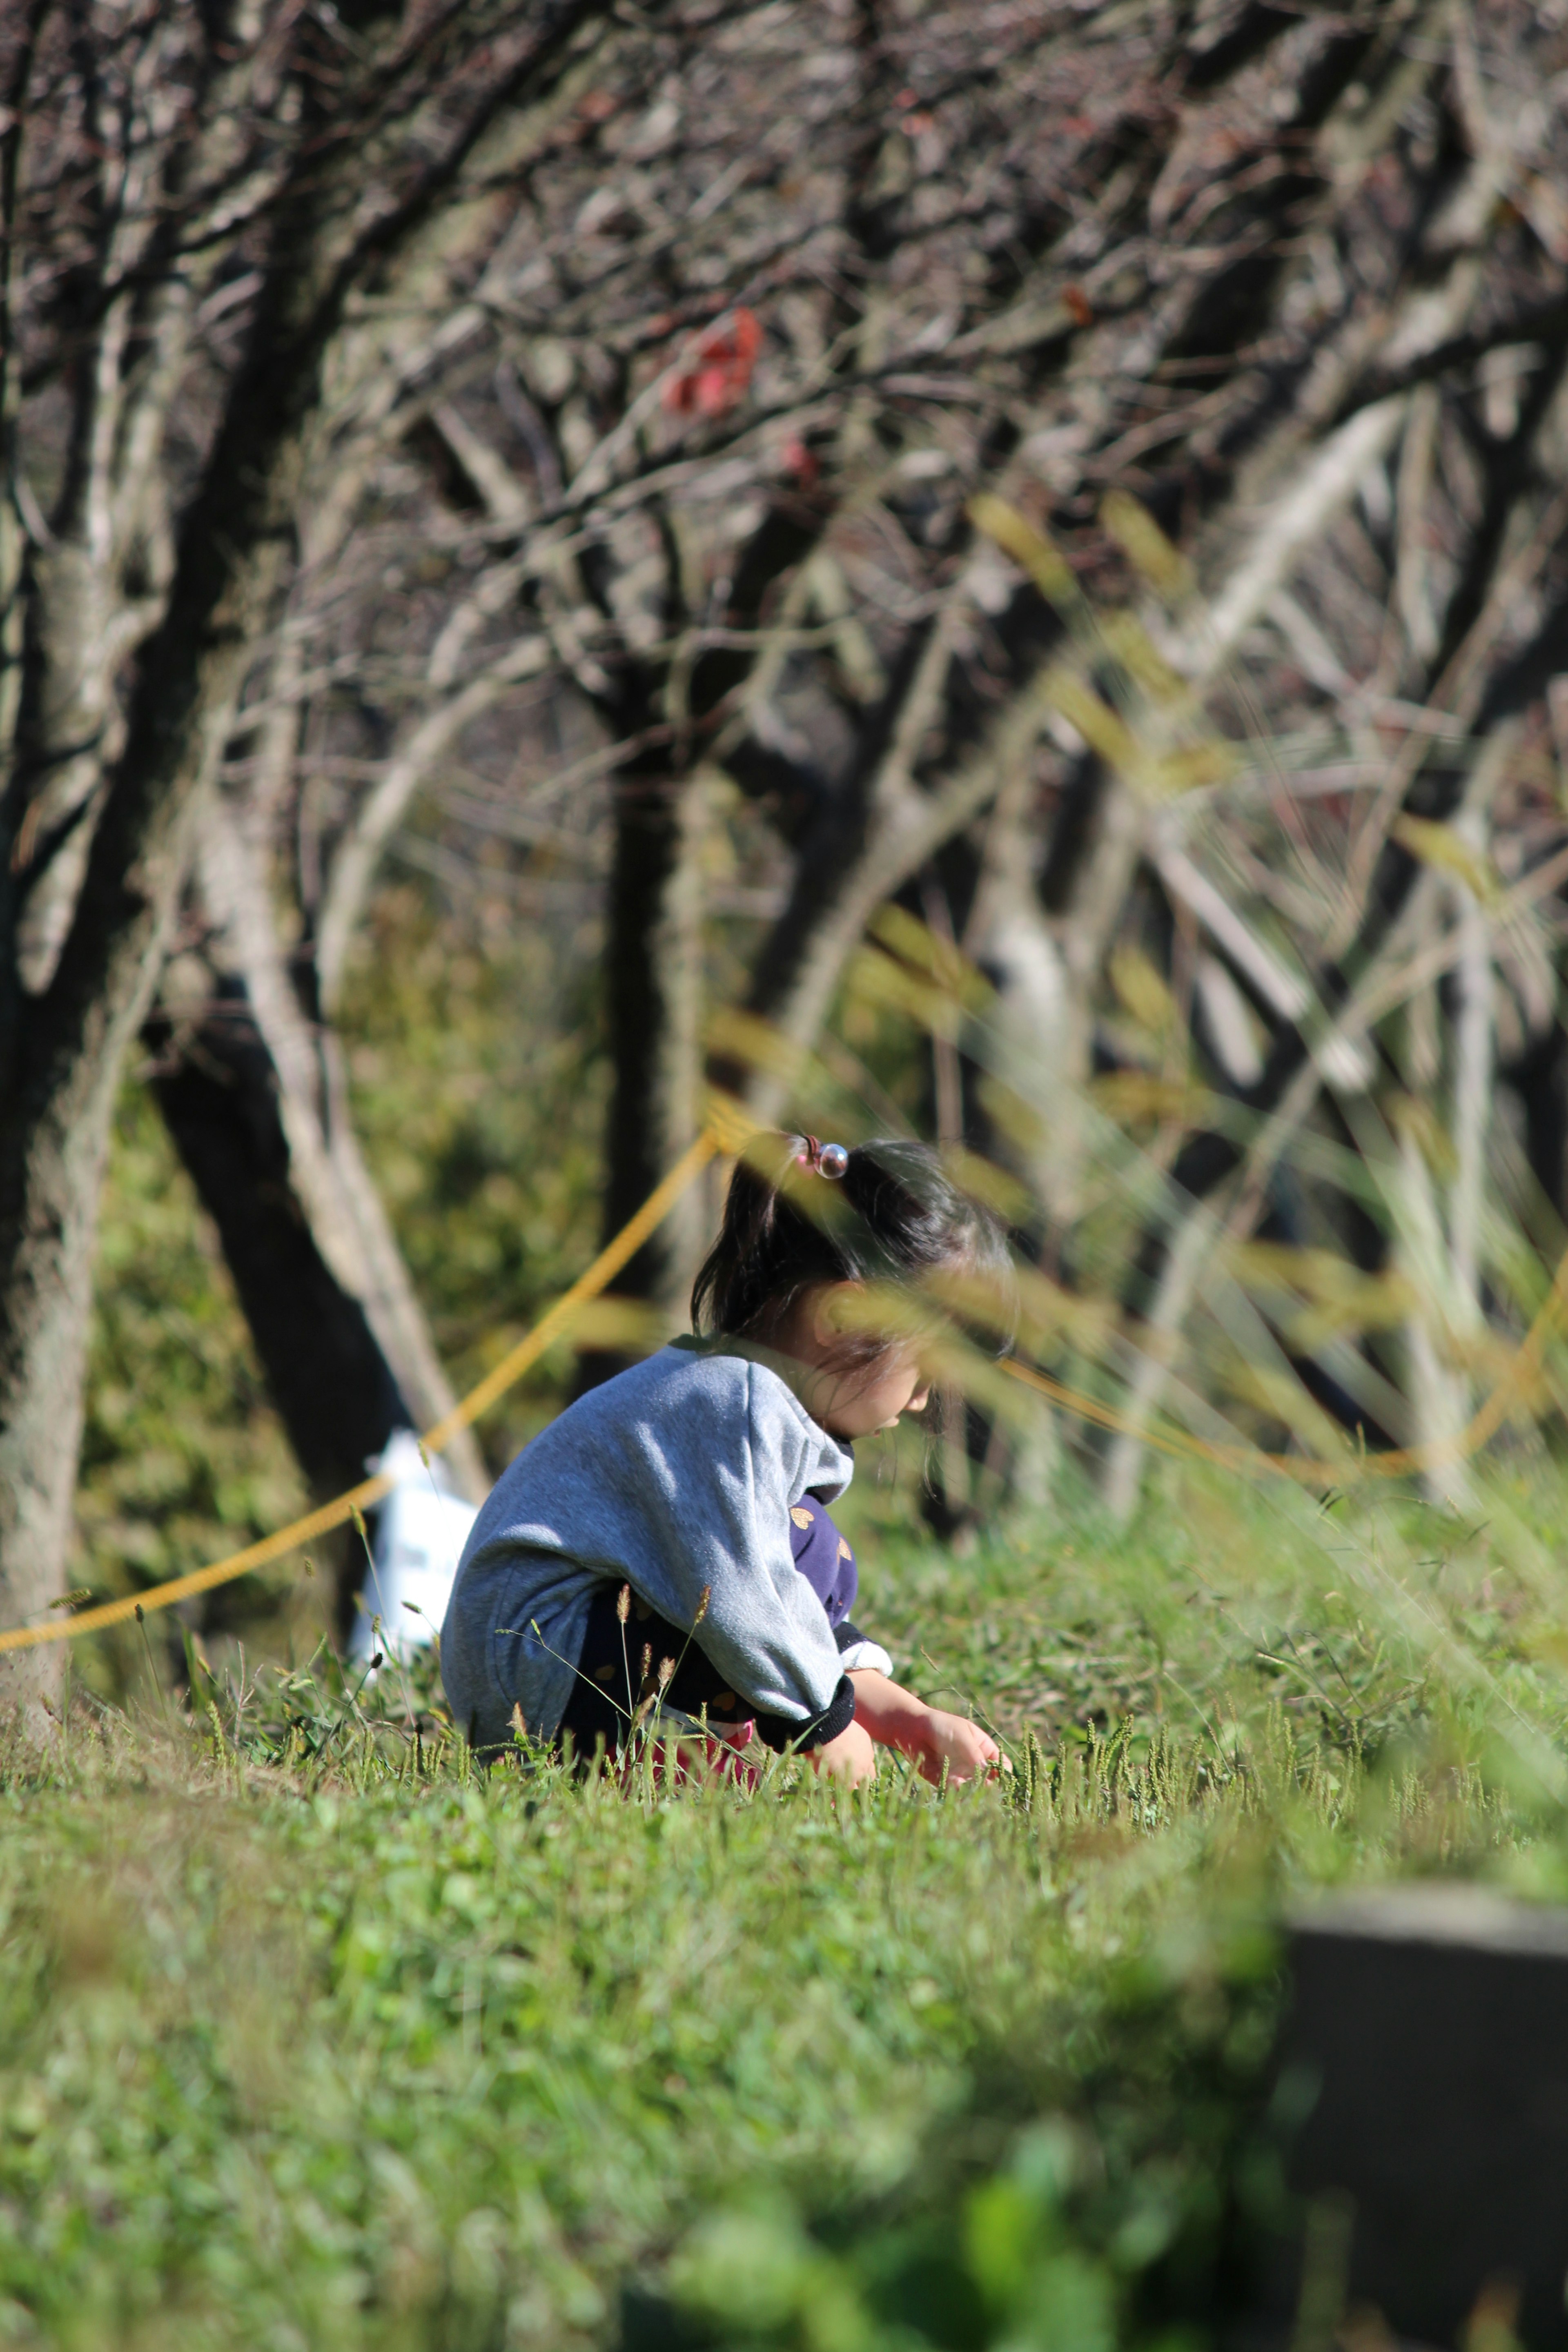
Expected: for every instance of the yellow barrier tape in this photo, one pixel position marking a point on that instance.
(726, 1127)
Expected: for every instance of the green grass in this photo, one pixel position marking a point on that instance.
(310, 2038)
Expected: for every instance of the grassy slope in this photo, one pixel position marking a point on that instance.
(338, 2048)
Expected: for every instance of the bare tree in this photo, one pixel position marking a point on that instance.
(193, 201)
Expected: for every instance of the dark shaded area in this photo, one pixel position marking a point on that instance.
(1541, 1079)
(1429, 2033)
(1252, 31)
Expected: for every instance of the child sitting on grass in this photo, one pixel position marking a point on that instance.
(663, 1550)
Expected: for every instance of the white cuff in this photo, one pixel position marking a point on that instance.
(861, 1656)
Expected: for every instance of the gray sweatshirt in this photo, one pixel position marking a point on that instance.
(676, 1475)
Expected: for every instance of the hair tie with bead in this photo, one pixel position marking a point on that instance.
(830, 1159)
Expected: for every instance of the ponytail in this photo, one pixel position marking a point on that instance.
(800, 1212)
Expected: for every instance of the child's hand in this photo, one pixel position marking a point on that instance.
(966, 1751)
(850, 1757)
(899, 1719)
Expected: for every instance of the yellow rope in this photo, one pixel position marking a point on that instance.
(726, 1130)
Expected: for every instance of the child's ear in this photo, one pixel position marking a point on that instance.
(833, 1312)
(819, 1304)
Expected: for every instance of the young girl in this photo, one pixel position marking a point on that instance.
(665, 1544)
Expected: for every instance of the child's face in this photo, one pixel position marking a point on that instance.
(850, 1400)
(874, 1400)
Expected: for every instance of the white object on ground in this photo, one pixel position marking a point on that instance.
(420, 1532)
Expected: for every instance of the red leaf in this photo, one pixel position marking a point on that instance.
(717, 373)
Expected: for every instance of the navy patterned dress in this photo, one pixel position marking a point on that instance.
(611, 1683)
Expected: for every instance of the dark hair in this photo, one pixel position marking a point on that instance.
(893, 1216)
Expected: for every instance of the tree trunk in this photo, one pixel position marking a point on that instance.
(54, 1143)
(326, 1172)
(654, 1001)
(52, 1177)
(330, 1382)
(62, 1048)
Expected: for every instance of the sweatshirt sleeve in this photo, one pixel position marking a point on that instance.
(857, 1652)
(727, 1480)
